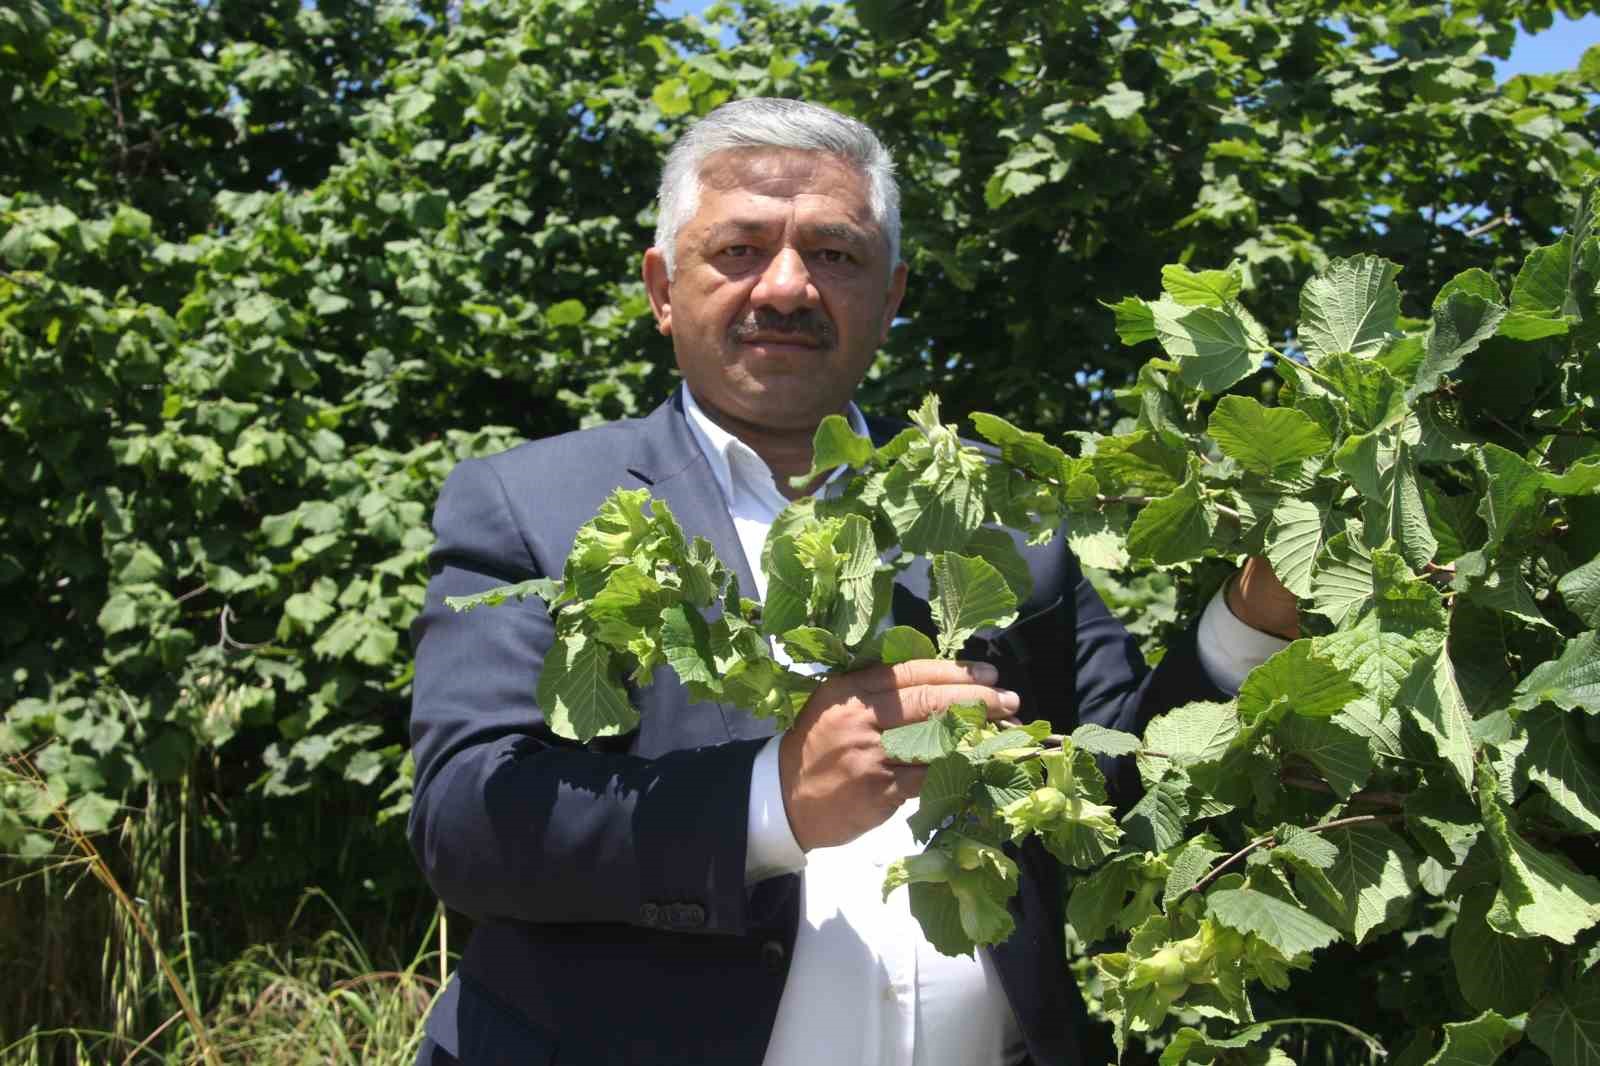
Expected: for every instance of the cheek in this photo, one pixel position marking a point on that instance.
(715, 305)
(867, 313)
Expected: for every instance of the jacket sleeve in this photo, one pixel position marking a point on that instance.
(510, 821)
(1113, 686)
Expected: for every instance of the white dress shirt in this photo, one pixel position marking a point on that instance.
(865, 988)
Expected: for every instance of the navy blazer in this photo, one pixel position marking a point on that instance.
(607, 880)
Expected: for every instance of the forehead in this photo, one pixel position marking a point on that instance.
(772, 179)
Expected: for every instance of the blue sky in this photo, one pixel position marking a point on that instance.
(1557, 48)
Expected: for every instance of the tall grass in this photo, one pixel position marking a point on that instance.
(130, 911)
(310, 994)
(326, 1002)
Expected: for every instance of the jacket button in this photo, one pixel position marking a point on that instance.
(684, 915)
(649, 914)
(772, 954)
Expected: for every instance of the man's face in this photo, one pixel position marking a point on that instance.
(783, 290)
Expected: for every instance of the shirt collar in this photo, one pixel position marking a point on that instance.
(731, 458)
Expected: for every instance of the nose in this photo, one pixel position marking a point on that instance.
(785, 285)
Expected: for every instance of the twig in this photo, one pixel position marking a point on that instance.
(1375, 796)
(1562, 431)
(226, 641)
(1366, 1038)
(144, 1045)
(1309, 784)
(1492, 224)
(1497, 420)
(1238, 856)
(1271, 839)
(192, 593)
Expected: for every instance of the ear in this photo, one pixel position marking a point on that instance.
(659, 288)
(891, 300)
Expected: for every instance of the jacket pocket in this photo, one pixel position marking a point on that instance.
(479, 1031)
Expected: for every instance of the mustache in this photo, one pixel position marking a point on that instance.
(803, 322)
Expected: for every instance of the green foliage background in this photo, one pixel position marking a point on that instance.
(267, 270)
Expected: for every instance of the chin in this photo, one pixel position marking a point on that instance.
(793, 408)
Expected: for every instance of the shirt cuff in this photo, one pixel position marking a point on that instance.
(1228, 648)
(770, 848)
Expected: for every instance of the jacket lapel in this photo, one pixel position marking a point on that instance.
(909, 604)
(669, 461)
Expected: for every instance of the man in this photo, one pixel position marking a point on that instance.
(701, 891)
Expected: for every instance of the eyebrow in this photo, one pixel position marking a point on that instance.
(838, 231)
(739, 228)
(834, 231)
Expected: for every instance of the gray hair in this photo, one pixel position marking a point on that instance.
(770, 122)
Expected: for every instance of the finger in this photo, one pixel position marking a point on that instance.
(916, 704)
(907, 782)
(882, 678)
(1258, 568)
(1257, 598)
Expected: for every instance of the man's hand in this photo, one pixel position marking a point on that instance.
(837, 782)
(1258, 599)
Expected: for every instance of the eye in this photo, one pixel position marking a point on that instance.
(833, 256)
(739, 251)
